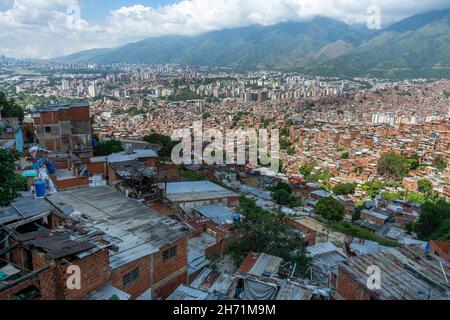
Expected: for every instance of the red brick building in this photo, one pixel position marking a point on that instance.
(65, 128)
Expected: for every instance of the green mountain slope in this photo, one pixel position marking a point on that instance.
(282, 46)
(418, 46)
(409, 49)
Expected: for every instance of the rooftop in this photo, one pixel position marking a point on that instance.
(214, 281)
(407, 273)
(196, 190)
(220, 214)
(260, 264)
(185, 292)
(24, 207)
(141, 231)
(124, 156)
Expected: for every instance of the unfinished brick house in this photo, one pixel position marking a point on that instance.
(131, 253)
(65, 128)
(150, 259)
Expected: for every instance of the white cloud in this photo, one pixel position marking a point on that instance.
(44, 28)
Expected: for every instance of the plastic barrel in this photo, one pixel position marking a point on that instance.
(40, 187)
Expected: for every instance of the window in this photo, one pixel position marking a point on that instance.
(170, 253)
(131, 277)
(48, 129)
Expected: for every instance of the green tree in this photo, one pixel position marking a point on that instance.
(434, 221)
(345, 188)
(373, 188)
(9, 108)
(330, 209)
(393, 165)
(306, 169)
(345, 155)
(414, 162)
(268, 232)
(205, 115)
(165, 141)
(281, 196)
(425, 186)
(108, 147)
(10, 182)
(440, 163)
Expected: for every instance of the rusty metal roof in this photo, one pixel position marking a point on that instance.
(407, 273)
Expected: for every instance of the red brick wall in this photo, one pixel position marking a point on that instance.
(165, 272)
(46, 279)
(165, 290)
(61, 164)
(112, 176)
(97, 167)
(63, 115)
(49, 117)
(143, 283)
(95, 274)
(311, 234)
(79, 113)
(348, 288)
(73, 183)
(10, 293)
(436, 248)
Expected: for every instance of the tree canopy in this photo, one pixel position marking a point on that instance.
(425, 186)
(165, 141)
(9, 108)
(434, 221)
(440, 163)
(344, 188)
(282, 194)
(10, 182)
(108, 147)
(306, 169)
(330, 209)
(394, 166)
(268, 232)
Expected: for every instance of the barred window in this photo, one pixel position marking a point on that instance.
(130, 277)
(170, 253)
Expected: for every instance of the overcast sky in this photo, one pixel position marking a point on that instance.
(51, 28)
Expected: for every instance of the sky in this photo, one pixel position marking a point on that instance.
(53, 28)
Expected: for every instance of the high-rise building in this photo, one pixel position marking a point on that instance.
(92, 90)
(64, 85)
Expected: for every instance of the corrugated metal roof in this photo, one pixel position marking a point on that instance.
(217, 213)
(214, 281)
(23, 208)
(141, 231)
(407, 273)
(293, 291)
(266, 265)
(123, 156)
(107, 292)
(192, 186)
(196, 190)
(185, 292)
(321, 248)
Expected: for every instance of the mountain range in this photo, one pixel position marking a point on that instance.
(418, 46)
